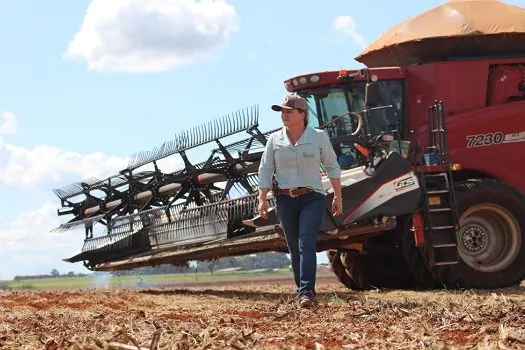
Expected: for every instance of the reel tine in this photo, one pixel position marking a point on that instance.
(222, 124)
(236, 120)
(192, 225)
(76, 188)
(196, 135)
(246, 117)
(202, 133)
(228, 124)
(77, 224)
(233, 120)
(193, 133)
(68, 190)
(239, 119)
(205, 131)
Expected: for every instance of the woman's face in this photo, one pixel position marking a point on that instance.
(292, 117)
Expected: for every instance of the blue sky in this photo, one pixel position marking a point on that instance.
(88, 83)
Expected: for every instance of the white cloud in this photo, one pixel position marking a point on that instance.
(8, 124)
(45, 164)
(151, 36)
(28, 247)
(22, 166)
(346, 26)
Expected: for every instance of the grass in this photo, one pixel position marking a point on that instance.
(135, 280)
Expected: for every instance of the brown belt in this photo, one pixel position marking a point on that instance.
(294, 192)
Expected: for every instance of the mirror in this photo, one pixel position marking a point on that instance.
(373, 96)
(379, 119)
(381, 111)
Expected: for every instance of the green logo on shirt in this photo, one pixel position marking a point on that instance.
(308, 155)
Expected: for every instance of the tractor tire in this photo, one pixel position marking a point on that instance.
(337, 267)
(416, 259)
(491, 238)
(378, 269)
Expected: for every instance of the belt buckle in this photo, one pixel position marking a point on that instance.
(291, 192)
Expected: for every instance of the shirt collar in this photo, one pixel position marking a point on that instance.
(306, 137)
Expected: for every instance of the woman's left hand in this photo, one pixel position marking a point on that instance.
(337, 206)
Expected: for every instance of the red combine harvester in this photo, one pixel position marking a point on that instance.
(428, 136)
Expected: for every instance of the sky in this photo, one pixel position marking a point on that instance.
(88, 83)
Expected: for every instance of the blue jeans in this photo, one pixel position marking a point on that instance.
(301, 219)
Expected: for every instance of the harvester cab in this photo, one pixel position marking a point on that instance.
(378, 185)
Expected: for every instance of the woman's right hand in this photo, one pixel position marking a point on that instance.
(263, 208)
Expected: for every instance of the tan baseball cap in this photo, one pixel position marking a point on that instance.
(291, 102)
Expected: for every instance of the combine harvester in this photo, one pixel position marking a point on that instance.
(429, 137)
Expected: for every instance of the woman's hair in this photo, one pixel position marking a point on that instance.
(305, 115)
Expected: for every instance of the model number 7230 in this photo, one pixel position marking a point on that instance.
(480, 140)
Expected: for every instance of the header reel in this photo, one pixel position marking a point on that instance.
(132, 191)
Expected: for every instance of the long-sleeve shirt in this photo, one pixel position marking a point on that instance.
(298, 165)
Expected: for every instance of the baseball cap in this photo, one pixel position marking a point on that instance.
(291, 102)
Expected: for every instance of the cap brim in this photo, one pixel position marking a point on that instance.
(279, 108)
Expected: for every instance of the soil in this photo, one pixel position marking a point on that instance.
(261, 315)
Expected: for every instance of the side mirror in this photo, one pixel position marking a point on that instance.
(383, 111)
(372, 95)
(377, 119)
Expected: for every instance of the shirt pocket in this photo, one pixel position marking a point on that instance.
(285, 158)
(309, 157)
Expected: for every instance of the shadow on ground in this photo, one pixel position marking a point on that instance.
(262, 294)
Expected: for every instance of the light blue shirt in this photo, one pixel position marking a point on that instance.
(298, 165)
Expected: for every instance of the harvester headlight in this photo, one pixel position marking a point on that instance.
(455, 167)
(302, 80)
(315, 78)
(295, 82)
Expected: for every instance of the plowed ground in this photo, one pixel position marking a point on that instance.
(261, 316)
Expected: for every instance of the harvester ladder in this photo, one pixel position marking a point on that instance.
(440, 207)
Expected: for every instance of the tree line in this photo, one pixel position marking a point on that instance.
(53, 274)
(267, 260)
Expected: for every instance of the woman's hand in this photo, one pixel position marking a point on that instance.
(337, 206)
(263, 208)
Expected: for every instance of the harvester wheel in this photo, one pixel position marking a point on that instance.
(334, 258)
(491, 239)
(384, 268)
(375, 270)
(416, 258)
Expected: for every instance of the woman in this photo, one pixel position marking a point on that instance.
(293, 158)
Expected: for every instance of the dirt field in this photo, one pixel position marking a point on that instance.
(261, 316)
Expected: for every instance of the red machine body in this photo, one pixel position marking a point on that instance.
(485, 110)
